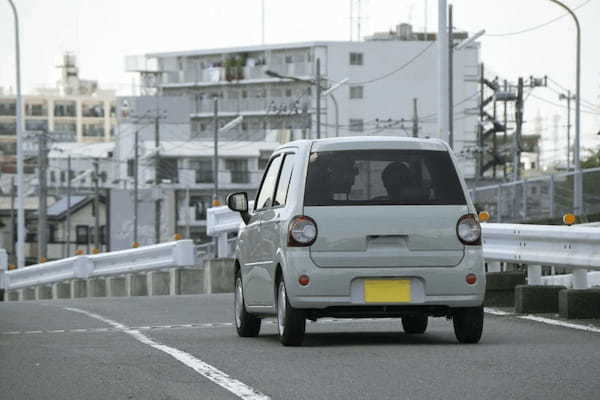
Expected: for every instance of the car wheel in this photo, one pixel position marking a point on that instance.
(414, 323)
(468, 324)
(246, 324)
(291, 322)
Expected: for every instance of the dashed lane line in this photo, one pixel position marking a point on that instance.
(213, 374)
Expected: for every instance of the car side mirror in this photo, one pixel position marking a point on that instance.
(239, 202)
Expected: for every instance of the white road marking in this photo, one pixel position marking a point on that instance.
(215, 375)
(32, 332)
(564, 324)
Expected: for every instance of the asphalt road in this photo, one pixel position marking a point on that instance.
(185, 347)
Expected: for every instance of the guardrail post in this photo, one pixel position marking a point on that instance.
(222, 246)
(534, 274)
(494, 266)
(580, 279)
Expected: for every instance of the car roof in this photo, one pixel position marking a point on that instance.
(370, 142)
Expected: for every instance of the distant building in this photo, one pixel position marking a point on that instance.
(385, 73)
(77, 107)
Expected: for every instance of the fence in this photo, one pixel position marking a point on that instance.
(538, 198)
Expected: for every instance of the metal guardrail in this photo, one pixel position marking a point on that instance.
(173, 254)
(571, 247)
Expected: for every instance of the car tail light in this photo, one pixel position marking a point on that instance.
(471, 279)
(302, 231)
(468, 230)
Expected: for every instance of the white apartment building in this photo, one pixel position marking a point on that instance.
(384, 75)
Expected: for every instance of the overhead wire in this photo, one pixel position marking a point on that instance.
(535, 27)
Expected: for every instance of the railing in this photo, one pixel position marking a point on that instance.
(538, 197)
(574, 247)
(173, 254)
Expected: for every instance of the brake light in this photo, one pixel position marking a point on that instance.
(302, 231)
(468, 230)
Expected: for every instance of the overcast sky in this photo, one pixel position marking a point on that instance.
(101, 33)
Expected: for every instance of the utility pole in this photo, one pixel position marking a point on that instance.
(415, 121)
(216, 202)
(568, 97)
(450, 80)
(516, 142)
(136, 186)
(156, 170)
(318, 90)
(96, 206)
(19, 134)
(12, 218)
(188, 217)
(505, 136)
(442, 43)
(43, 195)
(480, 138)
(68, 206)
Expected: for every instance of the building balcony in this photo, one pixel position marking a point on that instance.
(242, 75)
(253, 106)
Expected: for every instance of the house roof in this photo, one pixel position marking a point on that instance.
(60, 206)
(81, 150)
(205, 148)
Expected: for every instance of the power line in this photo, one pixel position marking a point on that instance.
(536, 26)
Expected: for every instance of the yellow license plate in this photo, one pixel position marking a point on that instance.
(387, 290)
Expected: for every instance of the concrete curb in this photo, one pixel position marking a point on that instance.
(579, 303)
(500, 288)
(536, 299)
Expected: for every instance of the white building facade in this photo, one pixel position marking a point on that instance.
(384, 77)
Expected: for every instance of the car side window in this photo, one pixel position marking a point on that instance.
(267, 189)
(283, 183)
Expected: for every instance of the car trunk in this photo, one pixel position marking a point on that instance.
(387, 235)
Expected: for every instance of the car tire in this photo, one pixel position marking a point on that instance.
(415, 324)
(291, 322)
(246, 324)
(468, 324)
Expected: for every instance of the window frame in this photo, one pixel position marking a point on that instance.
(285, 156)
(356, 56)
(357, 87)
(262, 182)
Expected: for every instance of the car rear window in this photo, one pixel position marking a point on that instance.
(382, 177)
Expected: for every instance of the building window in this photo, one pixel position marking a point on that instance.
(356, 125)
(356, 58)
(8, 109)
(65, 127)
(82, 234)
(36, 125)
(533, 165)
(103, 235)
(200, 205)
(93, 130)
(36, 110)
(288, 92)
(238, 169)
(52, 177)
(8, 128)
(204, 170)
(168, 170)
(52, 233)
(92, 110)
(356, 92)
(130, 167)
(65, 109)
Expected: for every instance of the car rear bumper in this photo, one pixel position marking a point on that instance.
(429, 286)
